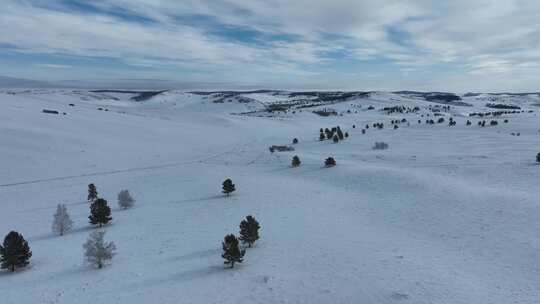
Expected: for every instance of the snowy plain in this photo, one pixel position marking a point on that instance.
(445, 215)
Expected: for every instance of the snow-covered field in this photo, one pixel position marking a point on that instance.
(445, 215)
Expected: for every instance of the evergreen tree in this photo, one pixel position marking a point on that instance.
(346, 134)
(231, 251)
(92, 192)
(340, 134)
(228, 186)
(125, 200)
(538, 157)
(100, 212)
(330, 162)
(295, 141)
(336, 139)
(61, 223)
(249, 230)
(321, 136)
(296, 161)
(96, 251)
(14, 252)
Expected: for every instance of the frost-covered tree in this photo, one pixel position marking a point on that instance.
(231, 251)
(228, 186)
(61, 223)
(249, 230)
(125, 200)
(97, 252)
(92, 192)
(296, 161)
(100, 212)
(14, 252)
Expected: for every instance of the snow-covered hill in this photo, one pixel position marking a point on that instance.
(445, 215)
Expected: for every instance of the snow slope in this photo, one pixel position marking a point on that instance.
(445, 215)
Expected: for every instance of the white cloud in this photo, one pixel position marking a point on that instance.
(474, 37)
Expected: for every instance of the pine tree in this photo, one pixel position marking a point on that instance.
(295, 141)
(125, 200)
(96, 251)
(100, 212)
(336, 139)
(92, 192)
(339, 134)
(61, 223)
(330, 162)
(228, 186)
(231, 251)
(249, 230)
(296, 161)
(321, 136)
(538, 157)
(14, 252)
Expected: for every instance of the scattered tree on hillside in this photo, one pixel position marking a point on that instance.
(330, 162)
(92, 192)
(125, 200)
(296, 161)
(100, 212)
(61, 223)
(339, 134)
(228, 186)
(97, 252)
(249, 230)
(14, 252)
(231, 251)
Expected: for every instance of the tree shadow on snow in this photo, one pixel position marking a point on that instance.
(197, 254)
(201, 199)
(185, 276)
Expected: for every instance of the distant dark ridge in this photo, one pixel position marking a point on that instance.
(503, 93)
(234, 92)
(143, 95)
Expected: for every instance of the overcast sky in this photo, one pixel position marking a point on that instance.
(458, 45)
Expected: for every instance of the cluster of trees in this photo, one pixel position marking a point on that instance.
(335, 134)
(380, 146)
(249, 234)
(495, 113)
(400, 109)
(15, 251)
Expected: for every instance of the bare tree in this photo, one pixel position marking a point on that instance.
(125, 200)
(61, 223)
(96, 251)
